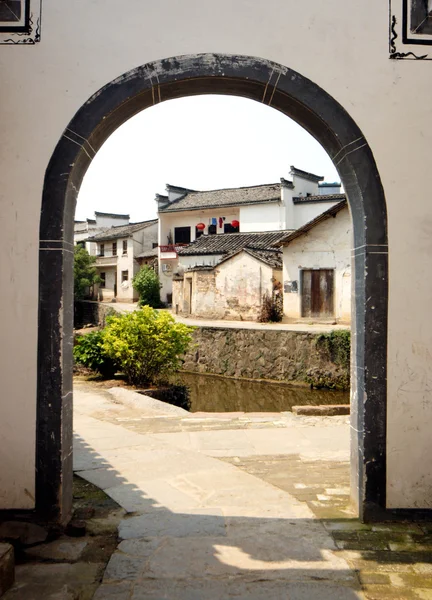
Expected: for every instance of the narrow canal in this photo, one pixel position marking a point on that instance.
(219, 394)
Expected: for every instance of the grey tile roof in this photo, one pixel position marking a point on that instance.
(258, 194)
(227, 243)
(121, 231)
(306, 175)
(331, 212)
(148, 253)
(320, 198)
(272, 258)
(113, 215)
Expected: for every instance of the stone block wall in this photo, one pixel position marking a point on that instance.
(276, 355)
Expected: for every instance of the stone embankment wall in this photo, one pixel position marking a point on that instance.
(294, 356)
(87, 312)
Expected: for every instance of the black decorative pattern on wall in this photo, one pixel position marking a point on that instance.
(20, 22)
(410, 24)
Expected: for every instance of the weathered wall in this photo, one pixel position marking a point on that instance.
(256, 354)
(232, 290)
(326, 246)
(341, 46)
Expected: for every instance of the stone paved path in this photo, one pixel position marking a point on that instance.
(199, 527)
(312, 327)
(244, 506)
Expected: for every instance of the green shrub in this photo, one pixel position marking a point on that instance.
(271, 308)
(89, 352)
(146, 344)
(147, 284)
(85, 273)
(338, 345)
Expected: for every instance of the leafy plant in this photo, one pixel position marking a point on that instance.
(271, 308)
(338, 345)
(85, 273)
(89, 352)
(147, 284)
(147, 344)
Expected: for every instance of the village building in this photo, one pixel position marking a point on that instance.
(118, 249)
(225, 276)
(185, 215)
(90, 227)
(317, 268)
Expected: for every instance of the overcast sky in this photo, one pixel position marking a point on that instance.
(202, 142)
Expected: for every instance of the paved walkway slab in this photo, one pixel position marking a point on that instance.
(200, 527)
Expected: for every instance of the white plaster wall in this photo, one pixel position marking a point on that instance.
(326, 246)
(166, 277)
(103, 221)
(43, 86)
(107, 292)
(191, 218)
(303, 213)
(304, 186)
(262, 217)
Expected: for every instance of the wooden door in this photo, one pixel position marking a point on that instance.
(317, 293)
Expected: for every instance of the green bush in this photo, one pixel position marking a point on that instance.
(147, 284)
(89, 352)
(146, 344)
(338, 345)
(85, 273)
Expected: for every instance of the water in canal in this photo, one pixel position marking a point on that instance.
(221, 394)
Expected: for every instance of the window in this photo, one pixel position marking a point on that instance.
(182, 235)
(103, 279)
(198, 233)
(421, 16)
(81, 244)
(124, 246)
(154, 245)
(10, 10)
(212, 229)
(19, 21)
(102, 250)
(124, 276)
(114, 248)
(228, 228)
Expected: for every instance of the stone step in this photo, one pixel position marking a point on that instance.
(7, 567)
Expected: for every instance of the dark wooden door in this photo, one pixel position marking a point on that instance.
(317, 293)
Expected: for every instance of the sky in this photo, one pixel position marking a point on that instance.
(202, 143)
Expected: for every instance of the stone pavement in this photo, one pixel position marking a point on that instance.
(310, 327)
(238, 506)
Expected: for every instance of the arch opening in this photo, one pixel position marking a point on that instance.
(316, 111)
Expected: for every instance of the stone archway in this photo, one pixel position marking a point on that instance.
(311, 107)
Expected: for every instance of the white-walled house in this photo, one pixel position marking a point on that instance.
(90, 227)
(233, 288)
(118, 249)
(225, 276)
(317, 268)
(185, 215)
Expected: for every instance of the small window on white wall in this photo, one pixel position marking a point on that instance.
(20, 22)
(124, 276)
(421, 16)
(124, 246)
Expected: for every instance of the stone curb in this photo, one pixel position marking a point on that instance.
(322, 410)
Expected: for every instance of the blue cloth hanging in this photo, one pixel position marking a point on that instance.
(214, 221)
